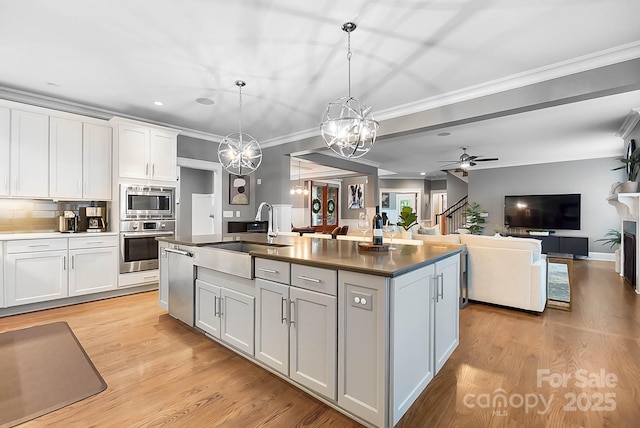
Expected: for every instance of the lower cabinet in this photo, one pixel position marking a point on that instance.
(93, 265)
(36, 271)
(446, 310)
(296, 328)
(225, 314)
(2, 305)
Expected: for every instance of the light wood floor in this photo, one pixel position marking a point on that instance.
(160, 372)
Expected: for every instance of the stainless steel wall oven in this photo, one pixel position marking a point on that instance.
(138, 245)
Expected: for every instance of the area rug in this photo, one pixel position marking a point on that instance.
(559, 282)
(43, 369)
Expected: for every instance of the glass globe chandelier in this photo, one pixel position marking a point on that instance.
(240, 153)
(348, 126)
(299, 189)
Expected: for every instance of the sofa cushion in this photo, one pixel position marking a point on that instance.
(438, 239)
(533, 245)
(434, 230)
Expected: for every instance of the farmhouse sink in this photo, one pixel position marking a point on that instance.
(230, 257)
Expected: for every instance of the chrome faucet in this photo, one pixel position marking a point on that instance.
(271, 233)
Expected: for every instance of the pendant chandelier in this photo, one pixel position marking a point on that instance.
(299, 189)
(240, 153)
(348, 126)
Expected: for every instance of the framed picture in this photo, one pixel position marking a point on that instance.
(238, 190)
(385, 200)
(356, 196)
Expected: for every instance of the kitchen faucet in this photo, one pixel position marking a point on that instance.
(271, 233)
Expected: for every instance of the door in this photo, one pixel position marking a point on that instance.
(29, 154)
(36, 277)
(447, 298)
(207, 300)
(313, 341)
(407, 200)
(93, 270)
(5, 159)
(202, 214)
(65, 158)
(272, 325)
(237, 314)
(133, 149)
(438, 204)
(96, 162)
(324, 207)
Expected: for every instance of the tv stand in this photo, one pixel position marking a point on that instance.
(578, 246)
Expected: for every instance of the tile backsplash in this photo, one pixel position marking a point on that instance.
(36, 215)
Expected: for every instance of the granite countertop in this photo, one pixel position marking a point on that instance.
(10, 236)
(332, 253)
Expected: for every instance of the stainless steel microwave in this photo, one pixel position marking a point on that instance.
(146, 202)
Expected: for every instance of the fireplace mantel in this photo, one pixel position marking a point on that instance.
(631, 201)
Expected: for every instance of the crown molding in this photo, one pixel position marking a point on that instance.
(629, 123)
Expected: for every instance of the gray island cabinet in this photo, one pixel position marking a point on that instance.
(363, 332)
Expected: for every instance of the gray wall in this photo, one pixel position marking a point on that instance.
(370, 198)
(456, 189)
(591, 178)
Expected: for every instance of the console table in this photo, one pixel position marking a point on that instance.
(578, 246)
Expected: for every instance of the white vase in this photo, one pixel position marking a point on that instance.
(617, 253)
(406, 234)
(629, 187)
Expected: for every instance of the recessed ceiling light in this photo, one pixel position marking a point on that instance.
(158, 103)
(444, 134)
(204, 101)
(423, 173)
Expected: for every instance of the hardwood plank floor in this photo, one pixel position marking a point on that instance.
(161, 373)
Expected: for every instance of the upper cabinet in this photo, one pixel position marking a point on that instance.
(146, 152)
(29, 154)
(97, 143)
(5, 159)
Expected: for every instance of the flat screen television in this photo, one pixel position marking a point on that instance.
(543, 211)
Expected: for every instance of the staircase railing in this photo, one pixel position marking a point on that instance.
(453, 218)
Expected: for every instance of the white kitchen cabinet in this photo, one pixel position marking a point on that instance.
(226, 314)
(29, 154)
(447, 310)
(296, 325)
(5, 144)
(36, 271)
(146, 152)
(97, 142)
(93, 264)
(65, 158)
(2, 305)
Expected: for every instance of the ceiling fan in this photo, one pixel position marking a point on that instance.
(465, 161)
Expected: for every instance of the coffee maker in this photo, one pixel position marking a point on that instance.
(93, 219)
(68, 222)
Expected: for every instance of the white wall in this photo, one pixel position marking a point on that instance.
(591, 178)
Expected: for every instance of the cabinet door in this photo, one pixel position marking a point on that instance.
(5, 159)
(93, 270)
(133, 149)
(29, 154)
(447, 297)
(96, 162)
(35, 277)
(163, 156)
(65, 158)
(237, 312)
(163, 270)
(313, 341)
(272, 325)
(207, 307)
(1, 276)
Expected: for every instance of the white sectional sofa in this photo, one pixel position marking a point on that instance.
(502, 270)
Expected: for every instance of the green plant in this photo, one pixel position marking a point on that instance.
(612, 238)
(408, 218)
(475, 218)
(631, 164)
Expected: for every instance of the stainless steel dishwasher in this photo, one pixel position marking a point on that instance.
(181, 283)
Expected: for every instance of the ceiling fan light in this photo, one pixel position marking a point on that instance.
(465, 164)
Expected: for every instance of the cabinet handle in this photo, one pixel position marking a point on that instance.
(267, 270)
(64, 262)
(73, 262)
(215, 306)
(150, 277)
(292, 308)
(306, 278)
(39, 245)
(220, 301)
(283, 311)
(441, 282)
(153, 170)
(94, 242)
(146, 169)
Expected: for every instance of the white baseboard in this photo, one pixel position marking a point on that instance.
(602, 256)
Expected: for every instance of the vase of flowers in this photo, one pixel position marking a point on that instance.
(631, 165)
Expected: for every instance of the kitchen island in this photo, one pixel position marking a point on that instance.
(365, 332)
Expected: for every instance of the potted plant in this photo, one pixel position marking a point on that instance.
(408, 219)
(631, 164)
(475, 218)
(612, 238)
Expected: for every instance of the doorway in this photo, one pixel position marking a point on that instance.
(198, 198)
(438, 204)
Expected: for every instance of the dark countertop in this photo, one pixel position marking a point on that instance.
(333, 253)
